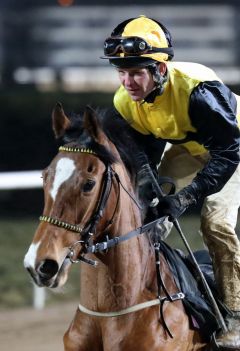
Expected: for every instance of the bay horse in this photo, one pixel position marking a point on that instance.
(91, 199)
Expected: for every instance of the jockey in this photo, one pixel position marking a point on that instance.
(188, 106)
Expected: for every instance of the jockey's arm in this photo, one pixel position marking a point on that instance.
(212, 110)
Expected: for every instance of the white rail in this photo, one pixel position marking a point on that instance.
(25, 180)
(20, 180)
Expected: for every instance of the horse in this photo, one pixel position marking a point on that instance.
(90, 200)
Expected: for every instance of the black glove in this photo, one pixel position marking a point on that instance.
(175, 205)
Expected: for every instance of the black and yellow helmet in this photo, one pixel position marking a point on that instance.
(138, 42)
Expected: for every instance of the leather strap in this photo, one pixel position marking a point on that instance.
(118, 239)
(135, 308)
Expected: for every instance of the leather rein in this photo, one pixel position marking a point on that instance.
(87, 233)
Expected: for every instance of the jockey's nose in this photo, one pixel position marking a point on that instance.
(47, 269)
(128, 80)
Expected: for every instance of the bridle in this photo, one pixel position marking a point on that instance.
(87, 232)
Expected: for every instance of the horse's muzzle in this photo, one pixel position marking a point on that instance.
(47, 269)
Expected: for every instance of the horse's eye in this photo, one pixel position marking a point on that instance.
(88, 185)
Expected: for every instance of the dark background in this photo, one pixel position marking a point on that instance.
(27, 141)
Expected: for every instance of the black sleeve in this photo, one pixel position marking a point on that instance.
(148, 148)
(212, 110)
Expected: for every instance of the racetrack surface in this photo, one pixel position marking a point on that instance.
(31, 330)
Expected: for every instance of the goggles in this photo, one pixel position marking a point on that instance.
(131, 46)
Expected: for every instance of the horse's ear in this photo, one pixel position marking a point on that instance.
(91, 124)
(60, 122)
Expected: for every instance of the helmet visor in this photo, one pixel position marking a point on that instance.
(131, 46)
(131, 62)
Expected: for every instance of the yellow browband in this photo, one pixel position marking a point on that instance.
(57, 222)
(76, 149)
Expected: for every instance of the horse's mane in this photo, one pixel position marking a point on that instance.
(115, 129)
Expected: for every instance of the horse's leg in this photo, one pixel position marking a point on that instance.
(147, 332)
(82, 335)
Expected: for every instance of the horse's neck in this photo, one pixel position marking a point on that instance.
(125, 272)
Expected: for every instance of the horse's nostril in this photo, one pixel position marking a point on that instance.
(47, 269)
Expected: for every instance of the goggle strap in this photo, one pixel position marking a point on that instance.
(168, 51)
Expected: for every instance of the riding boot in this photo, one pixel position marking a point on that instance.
(230, 340)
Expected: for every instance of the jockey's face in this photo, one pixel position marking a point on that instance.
(137, 81)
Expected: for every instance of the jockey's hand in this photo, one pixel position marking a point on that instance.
(175, 205)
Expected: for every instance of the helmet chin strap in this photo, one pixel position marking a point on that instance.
(159, 81)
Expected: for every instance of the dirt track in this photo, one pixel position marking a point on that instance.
(30, 330)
